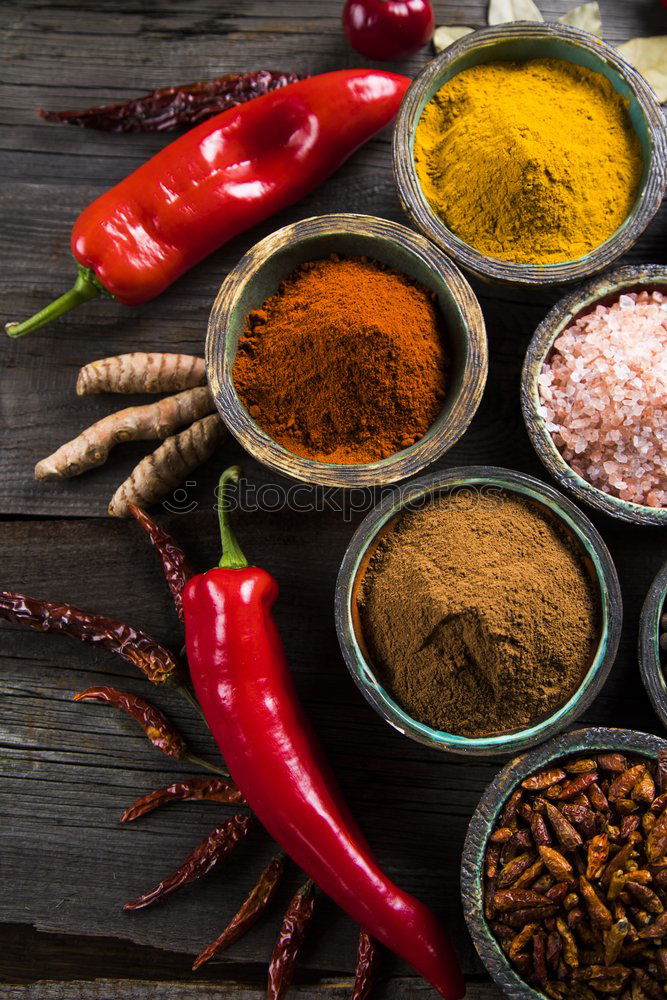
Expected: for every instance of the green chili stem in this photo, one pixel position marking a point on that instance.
(85, 287)
(232, 557)
(200, 762)
(185, 691)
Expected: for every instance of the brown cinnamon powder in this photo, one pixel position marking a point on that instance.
(478, 613)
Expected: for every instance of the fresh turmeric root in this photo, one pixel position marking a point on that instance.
(139, 372)
(157, 474)
(155, 421)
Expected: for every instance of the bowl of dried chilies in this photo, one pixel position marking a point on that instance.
(564, 871)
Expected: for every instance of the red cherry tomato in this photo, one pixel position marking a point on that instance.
(388, 29)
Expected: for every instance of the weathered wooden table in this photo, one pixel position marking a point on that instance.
(69, 770)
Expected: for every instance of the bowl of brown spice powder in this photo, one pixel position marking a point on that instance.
(346, 350)
(563, 874)
(478, 610)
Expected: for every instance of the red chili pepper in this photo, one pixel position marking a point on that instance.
(388, 29)
(244, 686)
(220, 178)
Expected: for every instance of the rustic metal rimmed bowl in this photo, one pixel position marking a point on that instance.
(258, 275)
(521, 41)
(603, 290)
(481, 482)
(484, 819)
(652, 672)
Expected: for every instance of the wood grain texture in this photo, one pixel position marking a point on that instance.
(68, 770)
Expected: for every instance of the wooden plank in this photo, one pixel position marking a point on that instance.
(73, 768)
(102, 989)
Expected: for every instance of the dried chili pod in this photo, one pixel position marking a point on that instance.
(581, 766)
(192, 790)
(175, 563)
(614, 940)
(215, 846)
(254, 907)
(623, 783)
(614, 762)
(558, 865)
(656, 844)
(172, 106)
(568, 837)
(159, 730)
(367, 968)
(520, 940)
(540, 957)
(290, 938)
(156, 662)
(597, 798)
(543, 780)
(513, 869)
(577, 785)
(539, 831)
(599, 914)
(518, 899)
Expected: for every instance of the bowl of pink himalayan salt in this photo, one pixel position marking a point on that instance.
(594, 393)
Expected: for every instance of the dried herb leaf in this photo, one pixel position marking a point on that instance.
(447, 34)
(587, 17)
(649, 56)
(502, 11)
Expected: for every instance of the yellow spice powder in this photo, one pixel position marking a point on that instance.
(533, 162)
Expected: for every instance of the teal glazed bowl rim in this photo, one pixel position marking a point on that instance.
(583, 299)
(484, 819)
(561, 41)
(355, 561)
(652, 672)
(259, 273)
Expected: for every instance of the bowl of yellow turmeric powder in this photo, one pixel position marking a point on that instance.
(531, 153)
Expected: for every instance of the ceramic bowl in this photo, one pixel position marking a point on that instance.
(522, 41)
(258, 275)
(484, 820)
(478, 480)
(603, 289)
(653, 674)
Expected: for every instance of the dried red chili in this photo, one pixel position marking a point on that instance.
(175, 563)
(156, 662)
(255, 905)
(213, 848)
(169, 107)
(193, 790)
(159, 730)
(368, 963)
(292, 932)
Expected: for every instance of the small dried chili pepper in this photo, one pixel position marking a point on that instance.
(169, 107)
(368, 962)
(215, 846)
(193, 790)
(253, 908)
(175, 563)
(160, 731)
(290, 938)
(156, 662)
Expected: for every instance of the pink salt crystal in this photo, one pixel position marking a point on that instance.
(606, 389)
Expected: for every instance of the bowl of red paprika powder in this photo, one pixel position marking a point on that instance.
(346, 350)
(478, 610)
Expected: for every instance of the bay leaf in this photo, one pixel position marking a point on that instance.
(587, 17)
(445, 35)
(649, 56)
(502, 11)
